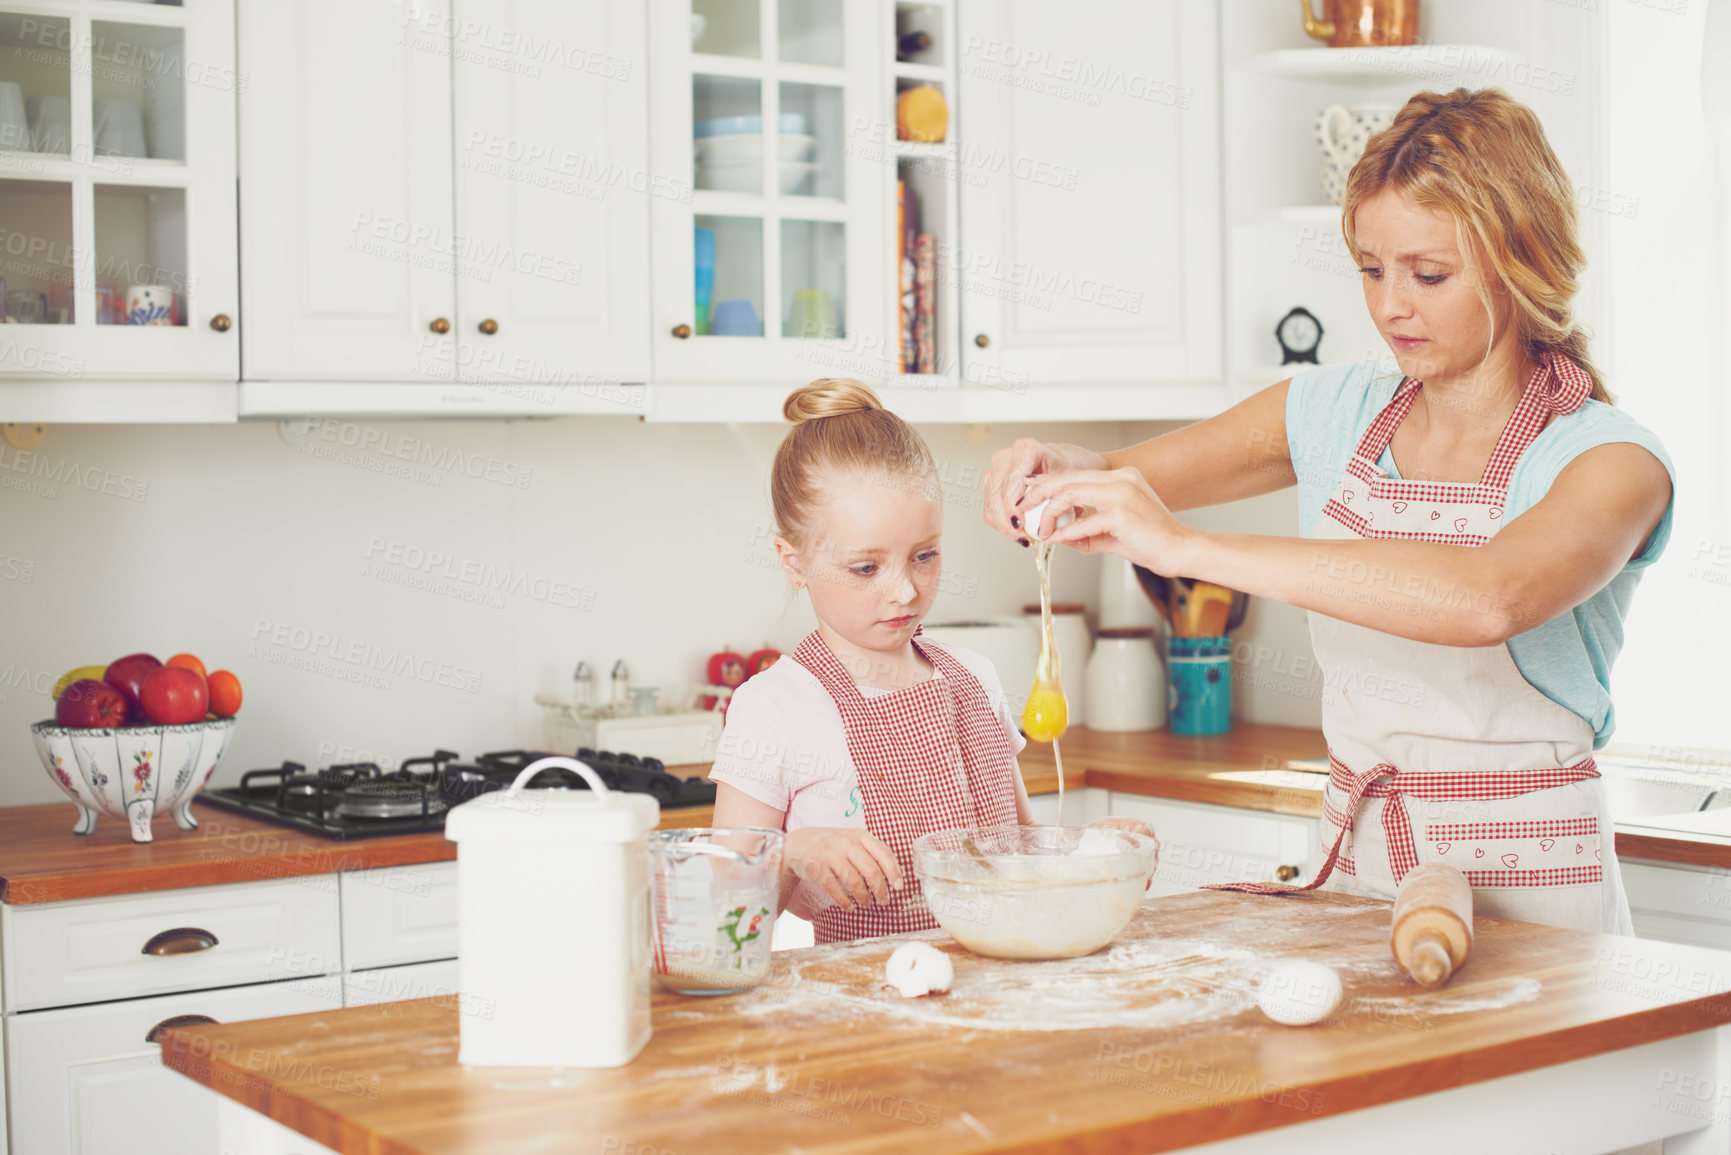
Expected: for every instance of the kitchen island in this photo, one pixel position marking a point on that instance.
(1548, 1040)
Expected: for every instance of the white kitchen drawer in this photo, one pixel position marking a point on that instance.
(61, 954)
(1675, 902)
(1201, 845)
(393, 984)
(1080, 807)
(85, 1082)
(399, 914)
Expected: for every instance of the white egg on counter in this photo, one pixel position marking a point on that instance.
(919, 968)
(1299, 993)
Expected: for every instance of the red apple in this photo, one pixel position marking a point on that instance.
(127, 675)
(727, 669)
(88, 703)
(174, 696)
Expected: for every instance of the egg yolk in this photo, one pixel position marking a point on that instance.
(1046, 716)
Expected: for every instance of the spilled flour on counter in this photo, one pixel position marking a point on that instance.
(1145, 983)
(1488, 997)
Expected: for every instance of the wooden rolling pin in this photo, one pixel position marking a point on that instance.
(1433, 923)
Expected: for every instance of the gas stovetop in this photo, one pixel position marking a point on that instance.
(363, 800)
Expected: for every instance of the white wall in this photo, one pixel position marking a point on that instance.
(657, 532)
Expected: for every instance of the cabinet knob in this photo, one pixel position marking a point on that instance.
(982, 340)
(180, 940)
(682, 331)
(489, 326)
(221, 322)
(440, 326)
(1286, 873)
(173, 1021)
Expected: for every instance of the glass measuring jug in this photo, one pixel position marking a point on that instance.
(713, 893)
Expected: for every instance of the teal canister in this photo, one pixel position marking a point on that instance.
(1200, 676)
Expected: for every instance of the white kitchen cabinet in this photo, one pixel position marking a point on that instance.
(66, 953)
(1081, 806)
(89, 1081)
(394, 984)
(346, 211)
(1201, 844)
(1090, 195)
(792, 199)
(1677, 902)
(118, 213)
(399, 914)
(445, 207)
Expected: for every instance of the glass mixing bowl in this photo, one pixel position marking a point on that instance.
(1034, 892)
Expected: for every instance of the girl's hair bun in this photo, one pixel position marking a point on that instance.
(829, 397)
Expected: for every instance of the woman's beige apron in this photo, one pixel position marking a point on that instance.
(1446, 753)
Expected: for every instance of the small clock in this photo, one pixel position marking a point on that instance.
(1299, 333)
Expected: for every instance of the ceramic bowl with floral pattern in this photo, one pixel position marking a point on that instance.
(133, 772)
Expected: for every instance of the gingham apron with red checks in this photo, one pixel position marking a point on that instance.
(1447, 753)
(934, 756)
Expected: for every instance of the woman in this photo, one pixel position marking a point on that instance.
(1473, 527)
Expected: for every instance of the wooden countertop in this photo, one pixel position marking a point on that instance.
(1152, 1046)
(41, 860)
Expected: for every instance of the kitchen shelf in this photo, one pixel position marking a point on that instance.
(792, 206)
(928, 73)
(1378, 67)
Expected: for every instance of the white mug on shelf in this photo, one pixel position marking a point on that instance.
(119, 129)
(14, 123)
(50, 123)
(1342, 132)
(149, 305)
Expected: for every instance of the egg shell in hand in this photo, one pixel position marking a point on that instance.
(1299, 993)
(1038, 514)
(919, 968)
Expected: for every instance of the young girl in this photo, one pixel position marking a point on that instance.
(869, 736)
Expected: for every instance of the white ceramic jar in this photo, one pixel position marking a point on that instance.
(1122, 602)
(1126, 686)
(1075, 644)
(553, 923)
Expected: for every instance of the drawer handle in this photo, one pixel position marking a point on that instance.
(180, 940)
(1286, 873)
(173, 1021)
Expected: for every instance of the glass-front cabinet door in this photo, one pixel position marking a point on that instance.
(768, 216)
(117, 196)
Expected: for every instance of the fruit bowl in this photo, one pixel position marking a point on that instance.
(1034, 892)
(133, 772)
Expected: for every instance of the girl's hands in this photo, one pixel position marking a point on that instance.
(1121, 514)
(1010, 471)
(852, 867)
(1134, 826)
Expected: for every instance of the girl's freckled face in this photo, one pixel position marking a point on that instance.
(873, 565)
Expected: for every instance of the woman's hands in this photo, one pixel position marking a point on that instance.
(852, 867)
(1121, 514)
(1011, 470)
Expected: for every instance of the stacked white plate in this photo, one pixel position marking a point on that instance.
(734, 163)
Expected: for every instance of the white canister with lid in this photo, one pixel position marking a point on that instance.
(1126, 685)
(553, 923)
(1070, 634)
(1122, 602)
